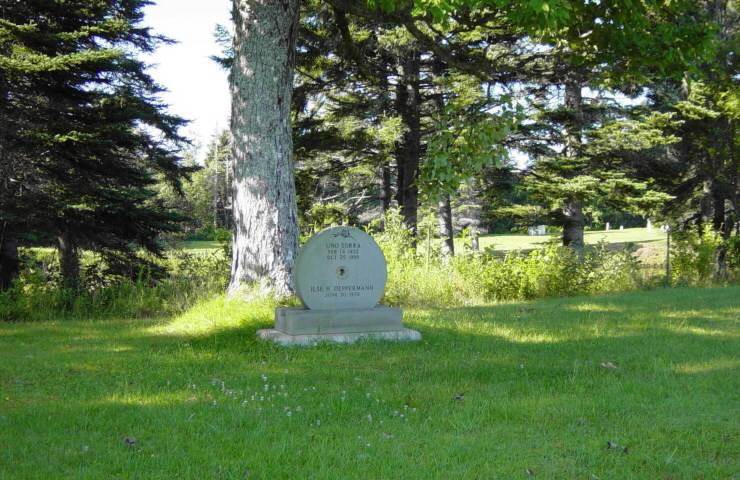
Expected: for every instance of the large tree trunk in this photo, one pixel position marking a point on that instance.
(69, 261)
(573, 220)
(408, 154)
(265, 211)
(445, 226)
(9, 263)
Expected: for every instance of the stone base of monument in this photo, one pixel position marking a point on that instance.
(298, 326)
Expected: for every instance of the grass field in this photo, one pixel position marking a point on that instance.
(525, 242)
(650, 244)
(525, 390)
(508, 242)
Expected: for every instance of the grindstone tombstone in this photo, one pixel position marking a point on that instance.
(340, 277)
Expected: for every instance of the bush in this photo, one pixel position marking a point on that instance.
(694, 257)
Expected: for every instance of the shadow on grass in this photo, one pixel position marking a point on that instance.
(511, 375)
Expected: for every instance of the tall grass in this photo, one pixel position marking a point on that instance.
(37, 295)
(416, 277)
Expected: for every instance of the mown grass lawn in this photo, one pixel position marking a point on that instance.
(503, 391)
(508, 242)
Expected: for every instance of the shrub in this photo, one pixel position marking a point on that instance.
(693, 257)
(38, 295)
(416, 279)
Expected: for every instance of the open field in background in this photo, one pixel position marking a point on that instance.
(507, 242)
(641, 385)
(650, 244)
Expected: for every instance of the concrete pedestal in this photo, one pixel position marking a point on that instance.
(281, 338)
(298, 326)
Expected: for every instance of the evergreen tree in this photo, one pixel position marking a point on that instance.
(84, 133)
(701, 171)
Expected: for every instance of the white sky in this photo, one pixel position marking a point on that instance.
(198, 87)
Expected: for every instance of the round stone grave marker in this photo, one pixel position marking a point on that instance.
(340, 268)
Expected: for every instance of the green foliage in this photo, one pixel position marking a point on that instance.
(461, 147)
(38, 293)
(693, 257)
(416, 279)
(323, 215)
(84, 133)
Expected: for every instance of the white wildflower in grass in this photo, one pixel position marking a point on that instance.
(369, 417)
(263, 377)
(289, 413)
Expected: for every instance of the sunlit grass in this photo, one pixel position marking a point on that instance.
(506, 242)
(490, 392)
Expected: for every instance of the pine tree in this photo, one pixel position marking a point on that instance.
(85, 133)
(702, 171)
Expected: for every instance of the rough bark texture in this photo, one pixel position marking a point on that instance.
(69, 261)
(445, 226)
(573, 225)
(573, 207)
(265, 212)
(9, 263)
(408, 155)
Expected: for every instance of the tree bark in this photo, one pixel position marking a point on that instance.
(718, 209)
(445, 226)
(69, 261)
(408, 154)
(9, 262)
(573, 225)
(722, 227)
(265, 211)
(573, 222)
(387, 192)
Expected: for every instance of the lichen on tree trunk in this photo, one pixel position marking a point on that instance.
(265, 212)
